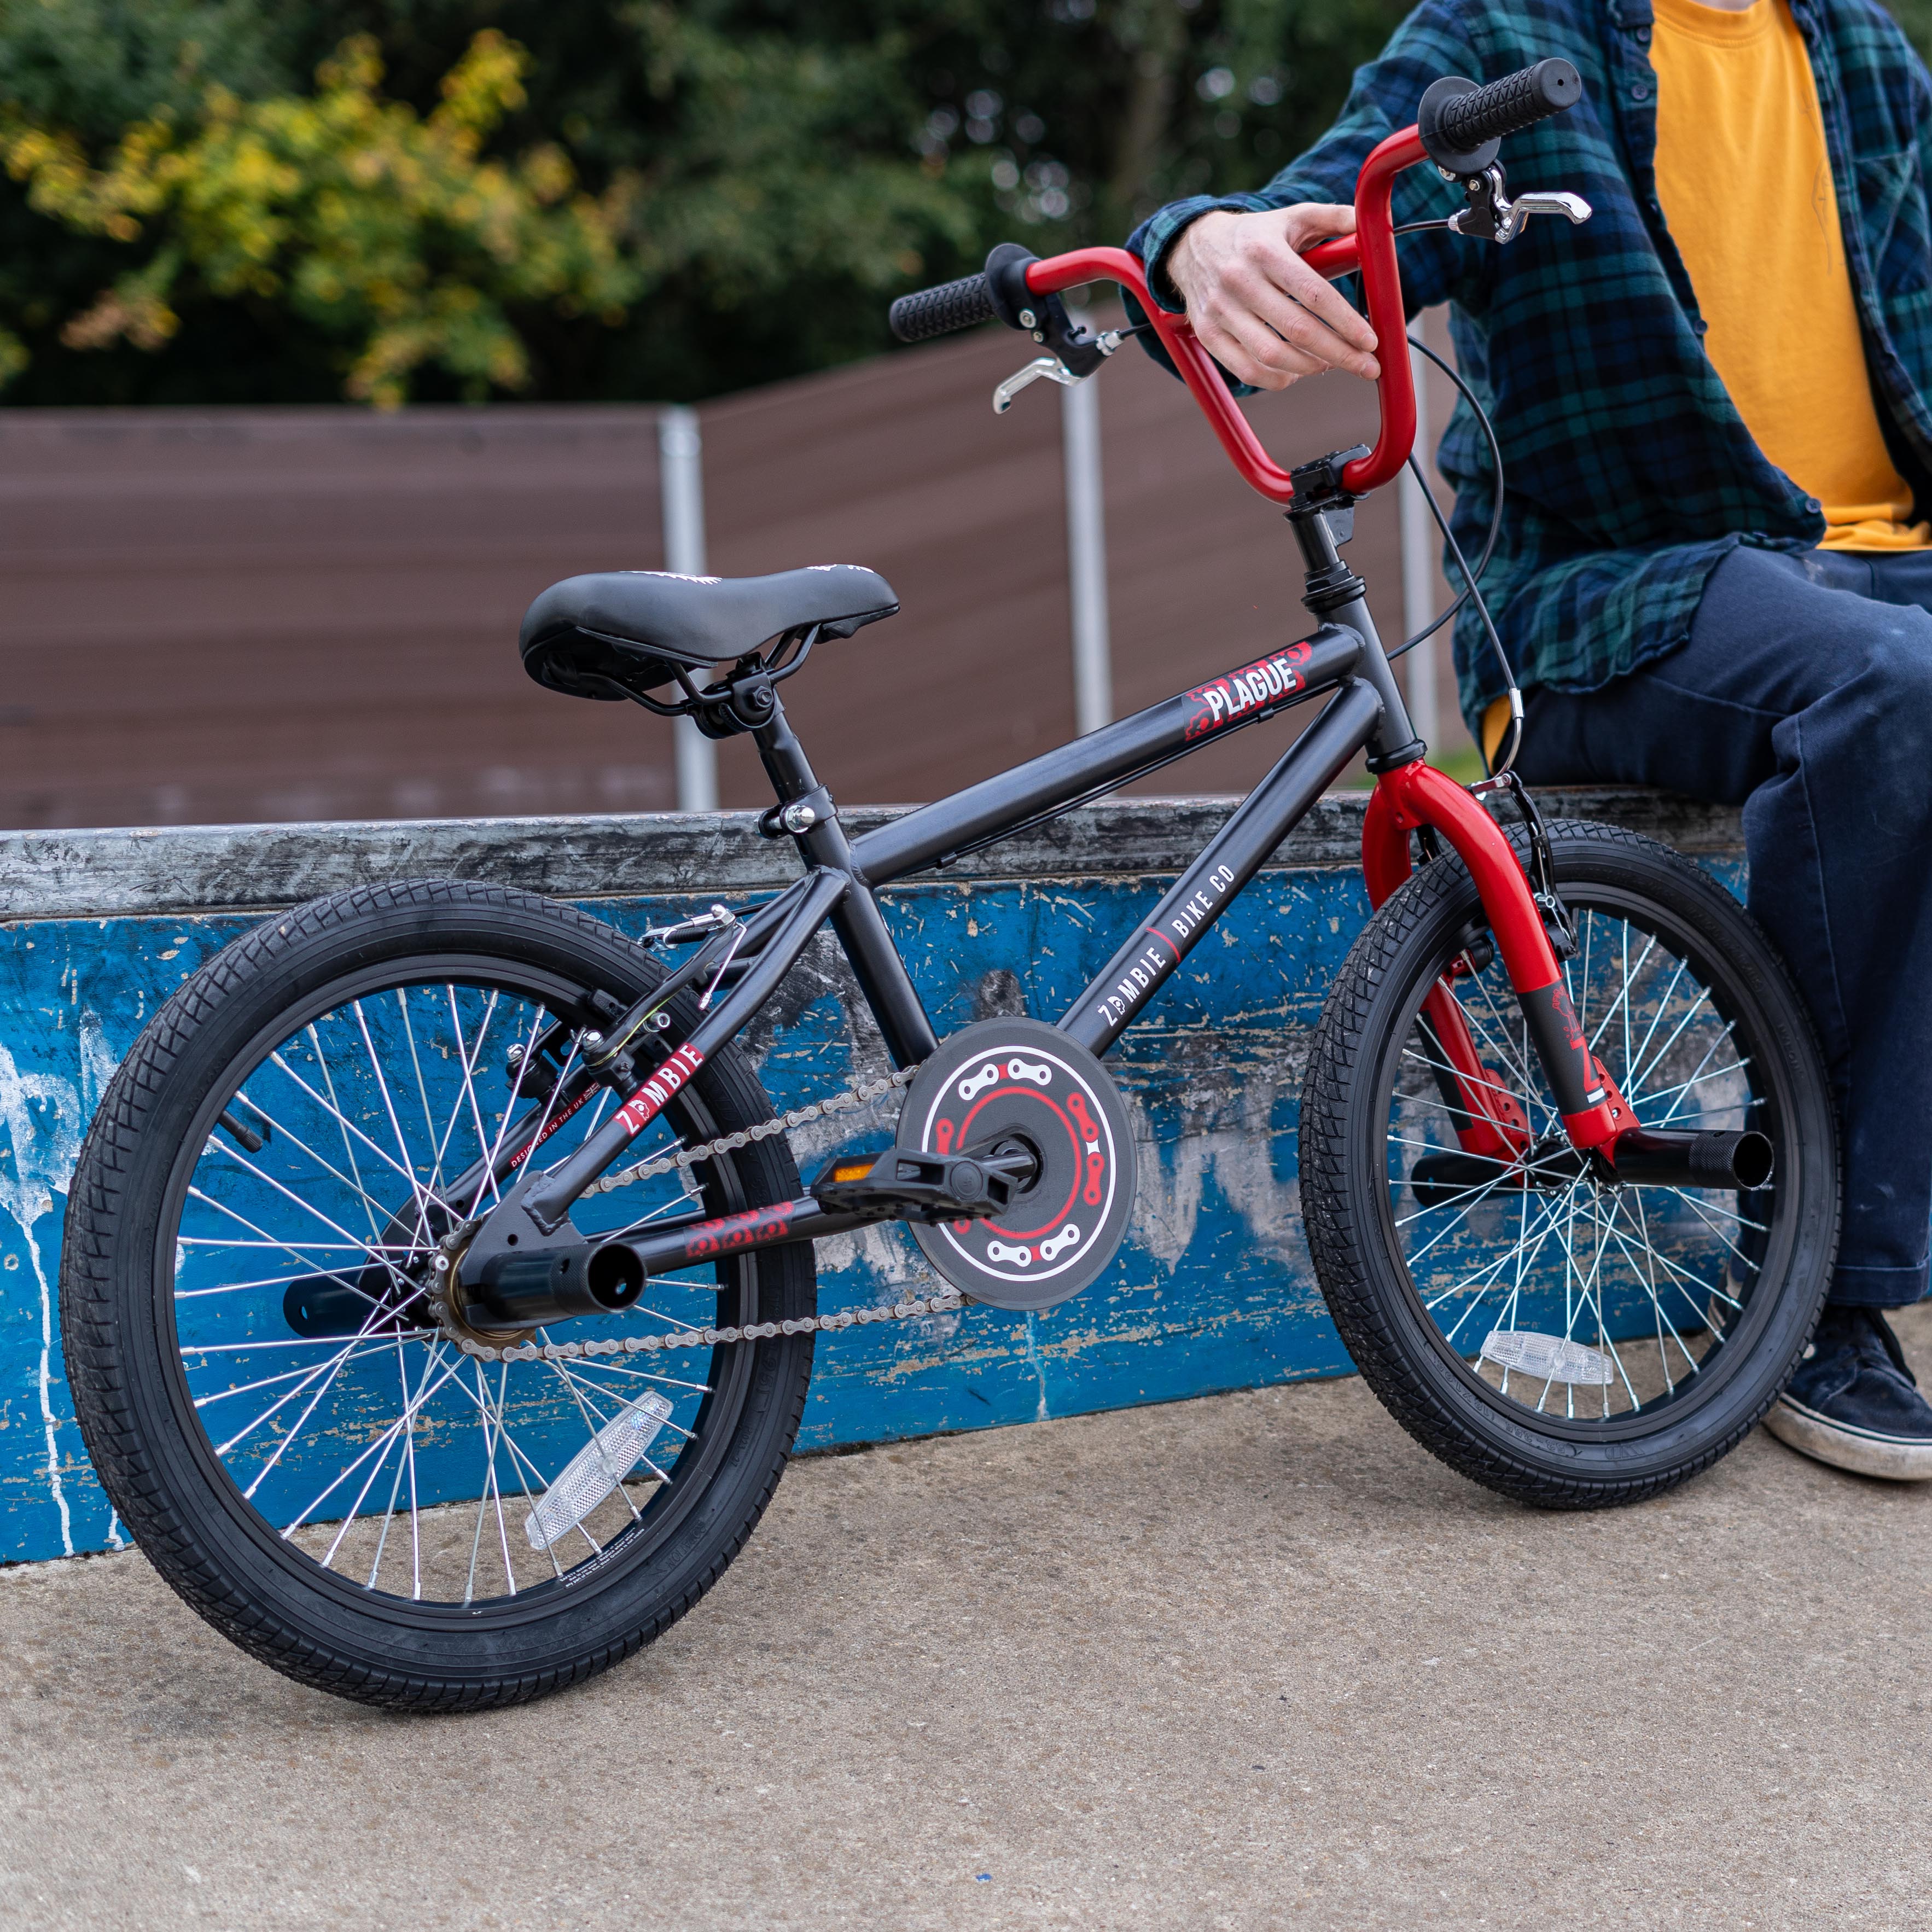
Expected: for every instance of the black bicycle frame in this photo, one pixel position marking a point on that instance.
(1342, 659)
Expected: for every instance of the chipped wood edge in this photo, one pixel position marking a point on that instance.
(158, 870)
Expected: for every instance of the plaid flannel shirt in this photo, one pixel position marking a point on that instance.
(1630, 474)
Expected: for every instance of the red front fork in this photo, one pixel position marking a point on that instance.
(1594, 1112)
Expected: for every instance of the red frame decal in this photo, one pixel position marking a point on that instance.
(1215, 705)
(651, 1099)
(757, 1227)
(576, 1105)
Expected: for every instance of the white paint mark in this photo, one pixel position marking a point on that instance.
(98, 1062)
(1038, 1366)
(877, 1251)
(1237, 1141)
(44, 1153)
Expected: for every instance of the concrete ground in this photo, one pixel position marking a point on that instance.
(1252, 1660)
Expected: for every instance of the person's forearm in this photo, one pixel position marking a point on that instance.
(1257, 308)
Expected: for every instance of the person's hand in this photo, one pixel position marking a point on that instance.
(1257, 308)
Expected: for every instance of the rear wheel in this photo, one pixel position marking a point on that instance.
(296, 1437)
(1570, 1343)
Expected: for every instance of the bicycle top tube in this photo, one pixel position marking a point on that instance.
(1371, 249)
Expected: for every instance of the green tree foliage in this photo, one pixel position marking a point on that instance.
(701, 194)
(1916, 17)
(384, 233)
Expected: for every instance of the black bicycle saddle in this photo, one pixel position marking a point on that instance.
(615, 631)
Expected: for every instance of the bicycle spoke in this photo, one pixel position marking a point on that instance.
(380, 1451)
(489, 1180)
(1539, 1246)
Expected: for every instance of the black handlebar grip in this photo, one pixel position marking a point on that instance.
(939, 311)
(1460, 123)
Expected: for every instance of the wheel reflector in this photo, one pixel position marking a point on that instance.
(1549, 1358)
(595, 1470)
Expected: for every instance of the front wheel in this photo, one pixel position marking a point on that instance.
(1570, 1343)
(280, 1411)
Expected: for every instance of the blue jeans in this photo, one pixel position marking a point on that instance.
(1804, 695)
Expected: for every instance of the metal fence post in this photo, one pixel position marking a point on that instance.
(1086, 557)
(681, 485)
(1418, 567)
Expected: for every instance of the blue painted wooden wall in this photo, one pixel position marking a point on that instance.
(1212, 1290)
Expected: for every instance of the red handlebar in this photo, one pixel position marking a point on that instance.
(1371, 248)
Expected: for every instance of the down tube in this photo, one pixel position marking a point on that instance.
(1233, 857)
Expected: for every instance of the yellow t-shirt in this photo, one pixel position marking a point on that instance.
(1746, 184)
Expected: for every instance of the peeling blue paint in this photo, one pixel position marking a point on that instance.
(1212, 1290)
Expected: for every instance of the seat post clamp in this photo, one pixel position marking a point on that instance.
(798, 816)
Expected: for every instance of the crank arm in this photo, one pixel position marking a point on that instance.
(903, 1184)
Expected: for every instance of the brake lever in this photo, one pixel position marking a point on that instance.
(1055, 371)
(1554, 201)
(1051, 367)
(1491, 216)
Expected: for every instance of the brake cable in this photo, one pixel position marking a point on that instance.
(1471, 590)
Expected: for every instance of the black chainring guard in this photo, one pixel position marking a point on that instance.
(1003, 1080)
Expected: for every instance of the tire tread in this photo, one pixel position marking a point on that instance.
(1341, 1047)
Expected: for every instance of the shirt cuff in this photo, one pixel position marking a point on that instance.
(1156, 235)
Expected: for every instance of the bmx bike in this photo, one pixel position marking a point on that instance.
(438, 1294)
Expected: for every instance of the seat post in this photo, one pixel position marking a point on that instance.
(856, 919)
(783, 756)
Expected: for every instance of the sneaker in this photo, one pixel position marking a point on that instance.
(1853, 1403)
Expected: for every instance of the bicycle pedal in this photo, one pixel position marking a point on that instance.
(900, 1186)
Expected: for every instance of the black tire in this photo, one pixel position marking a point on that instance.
(143, 1371)
(1734, 1283)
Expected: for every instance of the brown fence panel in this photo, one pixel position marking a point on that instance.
(228, 616)
(900, 464)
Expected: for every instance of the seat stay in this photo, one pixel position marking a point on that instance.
(546, 1197)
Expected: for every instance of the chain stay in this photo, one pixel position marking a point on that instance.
(944, 1302)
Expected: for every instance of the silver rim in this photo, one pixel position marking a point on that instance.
(380, 1451)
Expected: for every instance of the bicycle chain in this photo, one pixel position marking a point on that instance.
(945, 1303)
(686, 1157)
